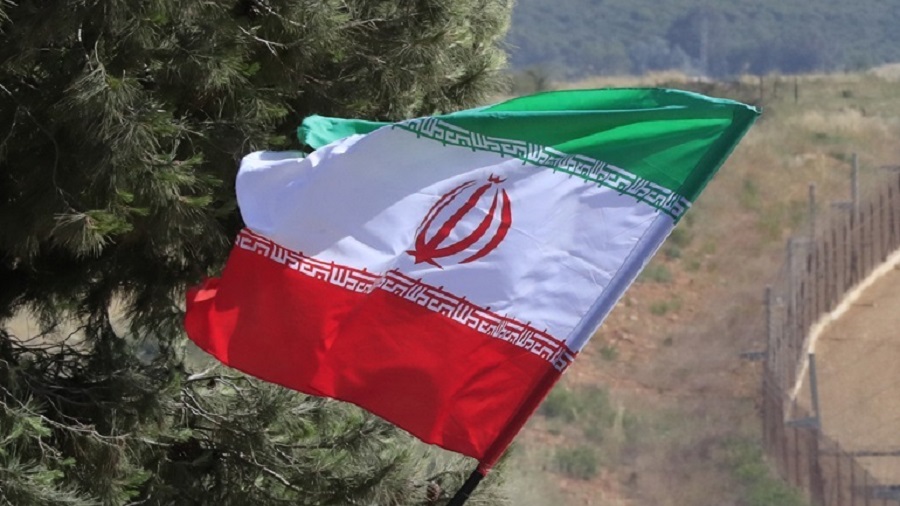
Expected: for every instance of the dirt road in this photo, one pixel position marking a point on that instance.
(858, 369)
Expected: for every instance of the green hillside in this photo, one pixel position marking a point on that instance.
(574, 38)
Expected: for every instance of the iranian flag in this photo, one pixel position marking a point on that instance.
(443, 272)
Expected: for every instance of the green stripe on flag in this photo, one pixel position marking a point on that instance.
(672, 138)
(318, 131)
(584, 167)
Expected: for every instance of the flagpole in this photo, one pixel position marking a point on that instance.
(462, 495)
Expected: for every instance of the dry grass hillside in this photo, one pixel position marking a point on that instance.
(660, 409)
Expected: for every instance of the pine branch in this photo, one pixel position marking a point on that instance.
(126, 122)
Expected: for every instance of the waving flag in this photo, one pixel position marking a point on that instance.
(443, 272)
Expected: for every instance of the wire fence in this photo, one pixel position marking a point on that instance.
(844, 243)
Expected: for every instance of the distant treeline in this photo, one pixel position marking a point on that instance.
(575, 38)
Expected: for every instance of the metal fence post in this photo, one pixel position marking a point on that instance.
(816, 485)
(854, 184)
(812, 211)
(767, 371)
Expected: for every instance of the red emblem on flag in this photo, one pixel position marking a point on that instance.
(455, 206)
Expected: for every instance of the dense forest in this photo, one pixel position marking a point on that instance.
(576, 38)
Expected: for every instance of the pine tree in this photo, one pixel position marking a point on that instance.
(121, 126)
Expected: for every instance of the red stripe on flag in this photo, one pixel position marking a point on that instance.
(444, 382)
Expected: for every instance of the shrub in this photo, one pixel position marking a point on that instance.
(762, 488)
(661, 307)
(609, 352)
(672, 252)
(579, 462)
(590, 405)
(680, 237)
(656, 273)
(560, 403)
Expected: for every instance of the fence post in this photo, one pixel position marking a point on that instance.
(873, 233)
(784, 441)
(895, 220)
(816, 485)
(835, 269)
(826, 267)
(883, 248)
(814, 268)
(854, 184)
(814, 390)
(768, 367)
(837, 474)
(847, 250)
(866, 489)
(791, 309)
(855, 229)
(770, 318)
(787, 315)
(888, 218)
(798, 478)
(812, 211)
